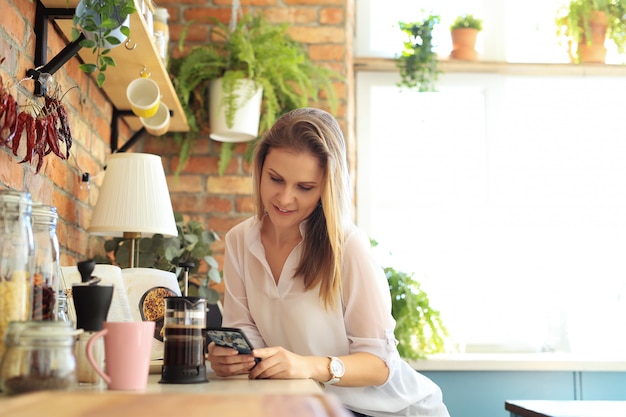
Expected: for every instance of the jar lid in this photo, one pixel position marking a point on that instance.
(19, 330)
(16, 200)
(43, 213)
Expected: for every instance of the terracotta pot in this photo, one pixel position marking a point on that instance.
(463, 43)
(594, 51)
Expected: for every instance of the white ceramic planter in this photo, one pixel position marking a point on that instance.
(246, 122)
(83, 10)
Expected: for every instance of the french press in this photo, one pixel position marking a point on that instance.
(183, 341)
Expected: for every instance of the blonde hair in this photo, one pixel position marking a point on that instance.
(318, 133)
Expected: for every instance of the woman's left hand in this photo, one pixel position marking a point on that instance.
(279, 363)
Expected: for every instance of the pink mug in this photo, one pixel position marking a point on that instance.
(127, 349)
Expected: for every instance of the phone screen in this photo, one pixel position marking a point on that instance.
(232, 338)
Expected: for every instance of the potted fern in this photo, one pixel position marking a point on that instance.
(585, 24)
(464, 31)
(418, 63)
(255, 50)
(105, 24)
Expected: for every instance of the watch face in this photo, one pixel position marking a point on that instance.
(336, 366)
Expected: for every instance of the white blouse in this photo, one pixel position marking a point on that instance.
(283, 314)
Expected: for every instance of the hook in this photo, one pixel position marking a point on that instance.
(127, 44)
(144, 72)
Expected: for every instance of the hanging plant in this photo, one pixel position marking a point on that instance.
(417, 63)
(253, 49)
(105, 25)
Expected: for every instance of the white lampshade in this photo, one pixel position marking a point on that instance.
(133, 198)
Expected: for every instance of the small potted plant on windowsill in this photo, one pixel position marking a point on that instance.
(256, 50)
(105, 24)
(584, 25)
(418, 64)
(464, 31)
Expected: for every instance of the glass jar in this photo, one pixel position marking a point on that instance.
(62, 310)
(16, 259)
(39, 356)
(46, 270)
(161, 31)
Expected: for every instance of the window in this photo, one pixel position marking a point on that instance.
(507, 206)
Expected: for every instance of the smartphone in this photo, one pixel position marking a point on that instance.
(232, 338)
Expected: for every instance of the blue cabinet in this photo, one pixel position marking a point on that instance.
(483, 393)
(604, 386)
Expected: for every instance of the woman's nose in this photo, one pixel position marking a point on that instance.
(286, 196)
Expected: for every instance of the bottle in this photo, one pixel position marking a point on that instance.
(46, 270)
(16, 259)
(62, 310)
(39, 356)
(161, 31)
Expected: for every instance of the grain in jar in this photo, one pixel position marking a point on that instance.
(16, 259)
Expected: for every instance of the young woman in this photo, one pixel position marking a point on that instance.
(302, 284)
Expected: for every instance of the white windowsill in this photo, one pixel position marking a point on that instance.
(556, 361)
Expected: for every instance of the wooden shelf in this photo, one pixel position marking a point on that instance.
(505, 68)
(129, 64)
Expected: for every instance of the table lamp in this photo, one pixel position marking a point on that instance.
(134, 200)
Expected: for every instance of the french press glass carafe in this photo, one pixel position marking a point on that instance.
(183, 341)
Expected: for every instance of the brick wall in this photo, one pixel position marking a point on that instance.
(325, 27)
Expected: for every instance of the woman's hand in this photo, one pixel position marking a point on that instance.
(226, 361)
(279, 363)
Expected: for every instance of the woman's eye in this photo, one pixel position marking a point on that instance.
(274, 179)
(305, 187)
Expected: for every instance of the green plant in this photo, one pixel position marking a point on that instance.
(193, 244)
(573, 20)
(419, 328)
(105, 17)
(467, 21)
(257, 49)
(418, 62)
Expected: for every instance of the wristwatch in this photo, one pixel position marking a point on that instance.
(336, 370)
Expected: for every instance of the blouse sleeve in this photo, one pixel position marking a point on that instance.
(367, 301)
(236, 311)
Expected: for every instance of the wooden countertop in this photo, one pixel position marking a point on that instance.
(544, 408)
(223, 397)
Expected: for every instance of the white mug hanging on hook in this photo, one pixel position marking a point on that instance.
(158, 124)
(144, 95)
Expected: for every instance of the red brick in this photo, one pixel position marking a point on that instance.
(314, 2)
(185, 183)
(291, 15)
(313, 35)
(325, 52)
(332, 16)
(229, 185)
(11, 173)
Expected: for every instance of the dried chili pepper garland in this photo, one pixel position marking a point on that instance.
(45, 131)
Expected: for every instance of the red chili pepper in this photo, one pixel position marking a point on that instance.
(17, 135)
(10, 118)
(53, 141)
(30, 138)
(41, 141)
(65, 128)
